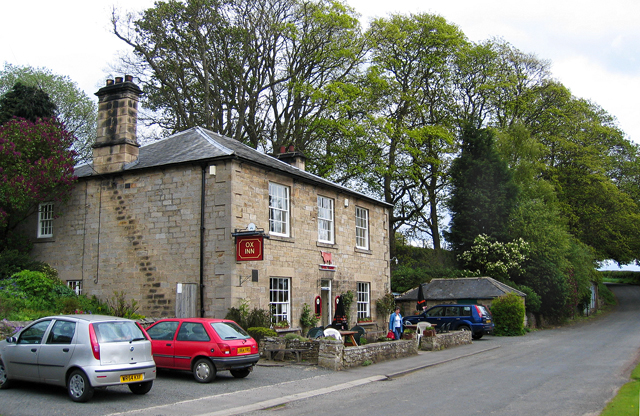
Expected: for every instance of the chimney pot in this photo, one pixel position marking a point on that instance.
(291, 149)
(109, 82)
(128, 78)
(282, 149)
(118, 80)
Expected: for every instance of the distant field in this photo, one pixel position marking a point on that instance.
(627, 277)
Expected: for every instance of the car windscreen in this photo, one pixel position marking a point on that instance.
(121, 331)
(229, 330)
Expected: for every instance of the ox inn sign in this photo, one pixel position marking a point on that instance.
(249, 248)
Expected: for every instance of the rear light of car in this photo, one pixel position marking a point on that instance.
(95, 347)
(225, 349)
(479, 311)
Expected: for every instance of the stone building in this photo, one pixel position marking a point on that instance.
(474, 290)
(196, 223)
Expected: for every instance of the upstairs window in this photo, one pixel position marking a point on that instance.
(45, 220)
(325, 220)
(362, 228)
(278, 209)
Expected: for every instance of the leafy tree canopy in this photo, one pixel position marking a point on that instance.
(73, 107)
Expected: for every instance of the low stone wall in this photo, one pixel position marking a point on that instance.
(310, 355)
(377, 352)
(332, 354)
(446, 340)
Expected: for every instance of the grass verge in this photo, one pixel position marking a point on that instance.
(627, 400)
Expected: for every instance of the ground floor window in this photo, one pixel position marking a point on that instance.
(364, 309)
(280, 299)
(75, 285)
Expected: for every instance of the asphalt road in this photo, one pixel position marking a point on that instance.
(567, 371)
(573, 370)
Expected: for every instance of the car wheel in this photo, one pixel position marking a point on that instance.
(141, 388)
(78, 386)
(408, 323)
(464, 328)
(5, 383)
(476, 336)
(241, 373)
(204, 371)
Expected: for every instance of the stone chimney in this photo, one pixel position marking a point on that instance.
(116, 142)
(290, 156)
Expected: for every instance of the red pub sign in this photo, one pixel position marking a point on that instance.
(249, 248)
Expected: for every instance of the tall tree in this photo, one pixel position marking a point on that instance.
(408, 124)
(26, 102)
(252, 70)
(76, 110)
(483, 192)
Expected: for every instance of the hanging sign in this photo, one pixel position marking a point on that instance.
(249, 248)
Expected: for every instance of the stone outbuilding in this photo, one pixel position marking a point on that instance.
(196, 223)
(473, 290)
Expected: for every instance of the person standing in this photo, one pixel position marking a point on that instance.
(395, 323)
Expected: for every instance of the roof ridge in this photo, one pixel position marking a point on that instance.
(203, 132)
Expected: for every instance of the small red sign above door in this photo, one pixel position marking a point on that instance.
(249, 248)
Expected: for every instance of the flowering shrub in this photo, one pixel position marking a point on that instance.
(36, 166)
(495, 259)
(7, 329)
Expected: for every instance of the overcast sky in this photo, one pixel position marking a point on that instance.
(594, 47)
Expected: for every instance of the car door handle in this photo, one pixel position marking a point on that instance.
(34, 350)
(168, 345)
(65, 350)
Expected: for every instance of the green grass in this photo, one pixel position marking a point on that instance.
(627, 400)
(621, 277)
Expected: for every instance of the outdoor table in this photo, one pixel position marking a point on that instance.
(348, 338)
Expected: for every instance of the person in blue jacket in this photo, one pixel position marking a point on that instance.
(395, 323)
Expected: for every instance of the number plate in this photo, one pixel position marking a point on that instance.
(244, 350)
(488, 321)
(131, 377)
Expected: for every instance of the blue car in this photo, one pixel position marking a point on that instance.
(474, 318)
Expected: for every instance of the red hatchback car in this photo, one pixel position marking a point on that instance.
(203, 346)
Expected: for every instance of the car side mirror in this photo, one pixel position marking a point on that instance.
(12, 340)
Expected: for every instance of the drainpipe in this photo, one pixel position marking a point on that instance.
(202, 229)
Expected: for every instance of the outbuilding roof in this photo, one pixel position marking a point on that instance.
(462, 288)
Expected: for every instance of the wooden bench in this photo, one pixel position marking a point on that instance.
(297, 351)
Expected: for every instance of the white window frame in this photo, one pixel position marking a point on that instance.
(280, 299)
(75, 285)
(279, 209)
(325, 220)
(362, 228)
(45, 220)
(363, 300)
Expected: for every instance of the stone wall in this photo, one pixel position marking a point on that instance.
(310, 355)
(446, 340)
(377, 352)
(334, 355)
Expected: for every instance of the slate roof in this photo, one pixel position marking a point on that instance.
(201, 145)
(463, 288)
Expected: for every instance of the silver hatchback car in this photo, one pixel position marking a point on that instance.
(81, 352)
